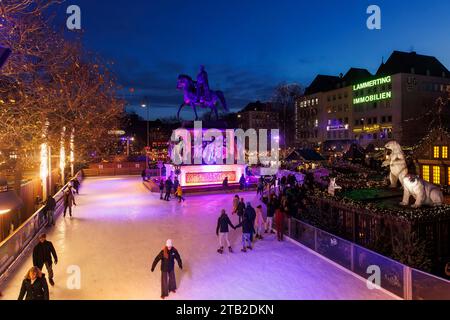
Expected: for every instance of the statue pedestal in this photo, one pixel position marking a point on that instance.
(210, 124)
(206, 175)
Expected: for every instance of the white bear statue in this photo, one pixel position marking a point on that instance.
(397, 163)
(332, 187)
(425, 193)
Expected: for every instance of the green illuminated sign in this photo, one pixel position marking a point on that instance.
(373, 97)
(372, 83)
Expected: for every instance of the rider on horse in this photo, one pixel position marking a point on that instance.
(202, 85)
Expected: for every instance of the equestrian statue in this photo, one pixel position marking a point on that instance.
(198, 94)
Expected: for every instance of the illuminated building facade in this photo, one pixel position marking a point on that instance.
(395, 103)
(432, 158)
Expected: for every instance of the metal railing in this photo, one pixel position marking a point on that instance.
(401, 280)
(18, 243)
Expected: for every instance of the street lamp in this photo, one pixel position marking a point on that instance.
(146, 106)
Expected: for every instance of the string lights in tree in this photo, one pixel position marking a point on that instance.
(62, 156)
(72, 152)
(44, 160)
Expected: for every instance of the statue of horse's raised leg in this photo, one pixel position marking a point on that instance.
(216, 112)
(179, 110)
(195, 110)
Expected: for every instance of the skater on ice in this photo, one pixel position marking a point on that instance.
(34, 286)
(271, 206)
(247, 225)
(69, 200)
(242, 182)
(236, 201)
(167, 256)
(50, 206)
(180, 194)
(279, 221)
(42, 256)
(168, 187)
(259, 223)
(222, 231)
(251, 214)
(161, 189)
(241, 210)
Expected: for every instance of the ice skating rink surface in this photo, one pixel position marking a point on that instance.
(119, 227)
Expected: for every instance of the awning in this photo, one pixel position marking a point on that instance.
(9, 201)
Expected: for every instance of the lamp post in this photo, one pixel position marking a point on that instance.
(146, 106)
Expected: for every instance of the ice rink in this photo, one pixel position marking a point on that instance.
(119, 227)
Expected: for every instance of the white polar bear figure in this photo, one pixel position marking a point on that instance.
(397, 163)
(425, 193)
(332, 187)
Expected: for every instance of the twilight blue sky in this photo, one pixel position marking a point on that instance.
(249, 46)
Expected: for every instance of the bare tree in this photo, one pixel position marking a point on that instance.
(284, 99)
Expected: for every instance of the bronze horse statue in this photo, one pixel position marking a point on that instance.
(191, 97)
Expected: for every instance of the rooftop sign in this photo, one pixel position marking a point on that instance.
(373, 97)
(372, 83)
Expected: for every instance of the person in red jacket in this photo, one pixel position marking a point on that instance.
(279, 222)
(167, 256)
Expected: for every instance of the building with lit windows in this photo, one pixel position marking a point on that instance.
(432, 158)
(258, 116)
(397, 102)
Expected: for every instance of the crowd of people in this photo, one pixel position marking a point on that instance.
(168, 188)
(253, 222)
(35, 285)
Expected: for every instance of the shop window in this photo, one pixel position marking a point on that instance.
(445, 152)
(436, 175)
(436, 152)
(448, 176)
(426, 173)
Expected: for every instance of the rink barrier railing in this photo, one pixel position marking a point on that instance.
(19, 243)
(401, 280)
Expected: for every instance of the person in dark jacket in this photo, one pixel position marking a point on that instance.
(241, 210)
(251, 213)
(271, 206)
(34, 286)
(247, 229)
(76, 185)
(222, 231)
(161, 189)
(225, 184)
(42, 255)
(168, 186)
(260, 188)
(176, 183)
(69, 201)
(167, 256)
(242, 182)
(50, 206)
(280, 216)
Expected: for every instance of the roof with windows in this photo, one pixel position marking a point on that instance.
(322, 83)
(258, 106)
(411, 62)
